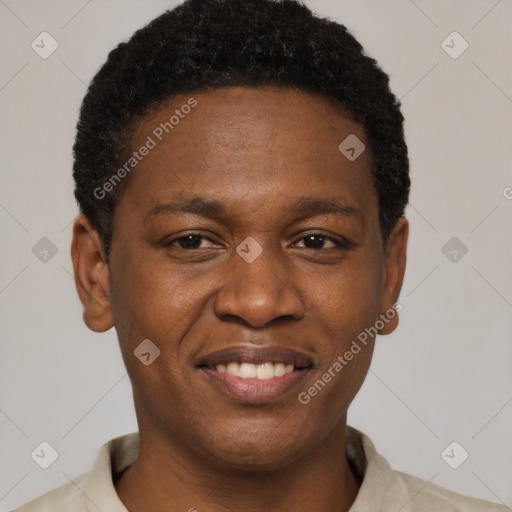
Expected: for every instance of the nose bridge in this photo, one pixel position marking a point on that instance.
(258, 287)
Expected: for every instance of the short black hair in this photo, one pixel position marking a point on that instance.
(201, 45)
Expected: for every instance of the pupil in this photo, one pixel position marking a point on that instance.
(314, 246)
(190, 241)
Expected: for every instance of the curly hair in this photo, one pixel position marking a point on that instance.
(202, 45)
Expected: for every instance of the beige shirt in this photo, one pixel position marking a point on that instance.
(383, 489)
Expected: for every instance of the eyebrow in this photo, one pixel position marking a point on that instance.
(303, 206)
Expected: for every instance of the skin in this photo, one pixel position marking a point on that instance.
(255, 151)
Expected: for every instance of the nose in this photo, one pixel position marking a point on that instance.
(259, 292)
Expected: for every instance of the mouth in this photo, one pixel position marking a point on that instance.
(255, 374)
(262, 371)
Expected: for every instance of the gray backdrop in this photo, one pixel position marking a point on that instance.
(443, 377)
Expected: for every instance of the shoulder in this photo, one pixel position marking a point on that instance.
(62, 499)
(427, 496)
(95, 488)
(388, 490)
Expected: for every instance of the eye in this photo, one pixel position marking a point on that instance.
(190, 241)
(317, 241)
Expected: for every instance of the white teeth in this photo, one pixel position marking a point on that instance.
(233, 369)
(262, 371)
(265, 371)
(279, 369)
(247, 371)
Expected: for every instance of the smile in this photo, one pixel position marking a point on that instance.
(263, 371)
(255, 375)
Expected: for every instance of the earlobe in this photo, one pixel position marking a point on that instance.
(91, 275)
(394, 270)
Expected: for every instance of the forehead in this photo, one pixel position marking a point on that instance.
(262, 144)
(237, 117)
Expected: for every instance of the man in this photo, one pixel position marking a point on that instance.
(242, 174)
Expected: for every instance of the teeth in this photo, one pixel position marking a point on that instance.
(262, 371)
(233, 369)
(265, 371)
(248, 371)
(279, 369)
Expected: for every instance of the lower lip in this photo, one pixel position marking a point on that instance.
(256, 391)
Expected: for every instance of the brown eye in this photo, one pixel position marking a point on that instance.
(318, 241)
(189, 242)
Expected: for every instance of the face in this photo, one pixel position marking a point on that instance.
(247, 248)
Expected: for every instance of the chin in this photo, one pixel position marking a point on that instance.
(251, 451)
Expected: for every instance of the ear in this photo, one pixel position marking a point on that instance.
(91, 275)
(394, 270)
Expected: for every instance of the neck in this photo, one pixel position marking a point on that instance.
(168, 476)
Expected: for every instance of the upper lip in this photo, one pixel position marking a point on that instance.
(257, 355)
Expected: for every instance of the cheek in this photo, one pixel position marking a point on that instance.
(149, 299)
(347, 309)
(157, 303)
(348, 298)
(148, 305)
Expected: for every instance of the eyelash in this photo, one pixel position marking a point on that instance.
(340, 244)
